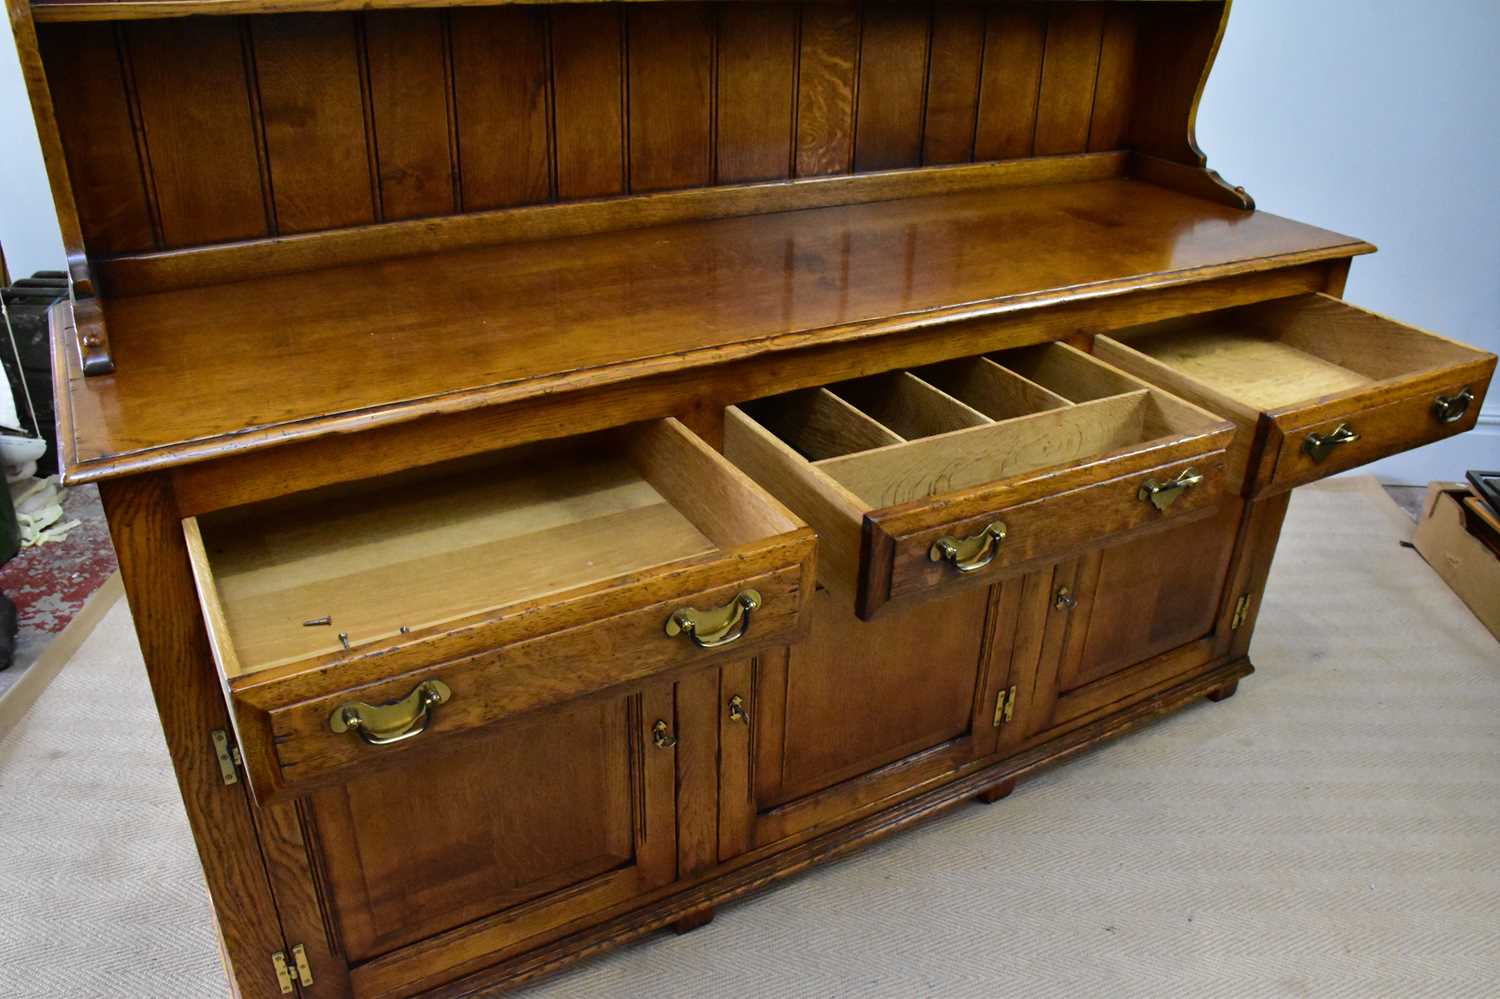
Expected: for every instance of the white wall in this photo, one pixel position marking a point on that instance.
(1372, 117)
(1377, 118)
(28, 227)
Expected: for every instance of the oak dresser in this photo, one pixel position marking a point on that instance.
(574, 465)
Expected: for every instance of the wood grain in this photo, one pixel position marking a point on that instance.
(819, 424)
(907, 405)
(860, 827)
(588, 83)
(757, 73)
(969, 457)
(1065, 103)
(662, 300)
(1015, 42)
(148, 541)
(98, 135)
(501, 88)
(411, 105)
(892, 87)
(199, 131)
(953, 75)
(312, 107)
(205, 265)
(826, 89)
(996, 391)
(1150, 595)
(1114, 86)
(671, 82)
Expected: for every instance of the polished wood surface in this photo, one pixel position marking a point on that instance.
(539, 806)
(148, 542)
(458, 331)
(411, 554)
(503, 334)
(1057, 477)
(912, 698)
(1308, 364)
(397, 110)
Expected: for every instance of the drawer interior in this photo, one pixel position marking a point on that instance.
(905, 435)
(411, 552)
(1277, 355)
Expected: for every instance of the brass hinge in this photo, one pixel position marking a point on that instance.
(284, 972)
(1241, 608)
(228, 755)
(1005, 706)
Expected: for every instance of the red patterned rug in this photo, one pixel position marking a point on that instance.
(49, 583)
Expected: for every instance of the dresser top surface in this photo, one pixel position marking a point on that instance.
(208, 370)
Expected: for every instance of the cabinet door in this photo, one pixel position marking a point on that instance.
(857, 712)
(426, 867)
(1119, 621)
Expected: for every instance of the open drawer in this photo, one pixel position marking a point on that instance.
(1317, 386)
(351, 625)
(918, 481)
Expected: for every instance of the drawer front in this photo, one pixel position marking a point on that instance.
(1317, 386)
(452, 601)
(1049, 527)
(922, 481)
(1310, 451)
(601, 657)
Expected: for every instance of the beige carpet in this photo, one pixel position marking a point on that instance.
(1334, 830)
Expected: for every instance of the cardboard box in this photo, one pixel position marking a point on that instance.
(1451, 538)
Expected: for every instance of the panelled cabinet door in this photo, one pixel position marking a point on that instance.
(855, 713)
(1119, 621)
(483, 849)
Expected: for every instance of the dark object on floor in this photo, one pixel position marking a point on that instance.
(7, 632)
(30, 373)
(10, 530)
(1486, 486)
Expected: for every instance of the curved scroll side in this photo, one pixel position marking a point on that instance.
(1177, 46)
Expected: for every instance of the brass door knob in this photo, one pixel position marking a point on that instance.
(1163, 494)
(711, 629)
(737, 712)
(972, 553)
(384, 724)
(662, 735)
(1451, 408)
(1319, 446)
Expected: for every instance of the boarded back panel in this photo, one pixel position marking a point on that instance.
(825, 90)
(409, 99)
(200, 136)
(587, 75)
(892, 81)
(312, 103)
(953, 84)
(1066, 101)
(1015, 39)
(500, 83)
(93, 116)
(757, 67)
(671, 94)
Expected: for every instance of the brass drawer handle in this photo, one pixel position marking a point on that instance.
(712, 628)
(737, 712)
(969, 554)
(1451, 408)
(662, 735)
(1320, 446)
(1163, 494)
(383, 724)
